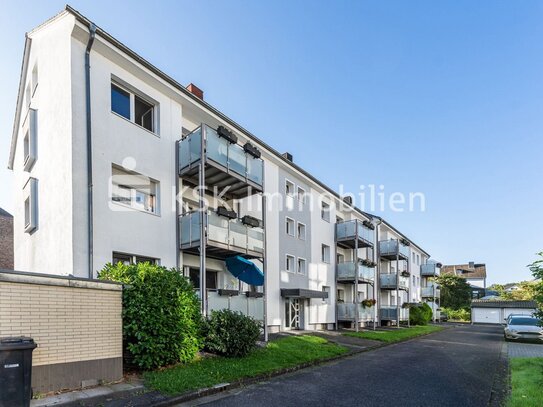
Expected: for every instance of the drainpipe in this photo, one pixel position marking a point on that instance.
(90, 237)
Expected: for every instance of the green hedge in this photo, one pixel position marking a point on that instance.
(230, 333)
(161, 314)
(420, 314)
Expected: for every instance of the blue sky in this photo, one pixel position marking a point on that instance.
(444, 98)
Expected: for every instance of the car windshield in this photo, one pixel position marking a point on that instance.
(524, 321)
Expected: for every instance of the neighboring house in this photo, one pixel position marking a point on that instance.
(473, 273)
(149, 139)
(6, 240)
(496, 311)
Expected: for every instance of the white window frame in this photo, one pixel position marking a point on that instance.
(304, 262)
(293, 268)
(287, 183)
(30, 197)
(134, 257)
(289, 220)
(34, 78)
(302, 195)
(133, 92)
(298, 231)
(134, 191)
(323, 251)
(327, 289)
(30, 137)
(325, 208)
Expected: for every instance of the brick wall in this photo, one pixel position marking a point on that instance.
(76, 323)
(6, 242)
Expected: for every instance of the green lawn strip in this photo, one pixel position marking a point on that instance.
(395, 335)
(279, 354)
(526, 382)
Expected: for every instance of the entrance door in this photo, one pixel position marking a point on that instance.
(293, 312)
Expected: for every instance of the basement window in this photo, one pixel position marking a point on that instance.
(128, 259)
(133, 106)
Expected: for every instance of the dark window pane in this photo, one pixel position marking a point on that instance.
(143, 112)
(120, 101)
(141, 259)
(211, 279)
(194, 276)
(122, 258)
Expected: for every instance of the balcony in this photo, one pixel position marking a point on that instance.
(389, 282)
(430, 270)
(227, 164)
(346, 312)
(346, 272)
(390, 313)
(225, 237)
(430, 291)
(393, 249)
(250, 306)
(351, 231)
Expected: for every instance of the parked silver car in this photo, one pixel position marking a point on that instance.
(523, 327)
(510, 316)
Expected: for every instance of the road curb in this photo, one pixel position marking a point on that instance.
(501, 381)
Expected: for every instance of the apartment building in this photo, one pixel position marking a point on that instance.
(104, 143)
(473, 273)
(6, 240)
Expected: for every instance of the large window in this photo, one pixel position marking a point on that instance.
(325, 211)
(133, 107)
(134, 190)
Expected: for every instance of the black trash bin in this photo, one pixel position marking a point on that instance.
(15, 371)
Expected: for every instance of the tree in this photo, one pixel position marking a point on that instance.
(455, 291)
(524, 291)
(537, 271)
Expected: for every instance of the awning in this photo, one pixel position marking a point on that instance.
(245, 270)
(302, 293)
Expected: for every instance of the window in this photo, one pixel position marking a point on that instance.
(30, 129)
(414, 280)
(30, 193)
(340, 295)
(132, 259)
(301, 195)
(325, 253)
(302, 266)
(34, 78)
(326, 289)
(211, 278)
(340, 258)
(413, 257)
(289, 226)
(290, 263)
(418, 258)
(289, 188)
(301, 231)
(28, 95)
(325, 211)
(133, 107)
(134, 190)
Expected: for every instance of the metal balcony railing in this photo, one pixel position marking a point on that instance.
(390, 248)
(430, 291)
(228, 236)
(347, 271)
(429, 270)
(388, 282)
(347, 232)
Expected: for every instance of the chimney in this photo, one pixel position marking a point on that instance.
(471, 264)
(195, 90)
(288, 156)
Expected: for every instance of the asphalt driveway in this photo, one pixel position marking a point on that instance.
(457, 367)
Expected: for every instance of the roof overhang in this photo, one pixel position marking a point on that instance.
(302, 293)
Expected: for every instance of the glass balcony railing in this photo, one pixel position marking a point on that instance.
(230, 233)
(430, 269)
(351, 229)
(347, 270)
(389, 248)
(430, 291)
(230, 156)
(249, 306)
(390, 312)
(346, 312)
(388, 281)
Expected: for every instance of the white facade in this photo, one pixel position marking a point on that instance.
(145, 225)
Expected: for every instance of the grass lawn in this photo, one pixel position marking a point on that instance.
(282, 353)
(526, 382)
(395, 335)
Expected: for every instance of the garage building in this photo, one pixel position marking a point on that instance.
(495, 311)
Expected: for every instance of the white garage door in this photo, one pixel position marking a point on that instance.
(486, 315)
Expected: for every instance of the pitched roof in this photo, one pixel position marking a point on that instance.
(5, 214)
(503, 304)
(465, 271)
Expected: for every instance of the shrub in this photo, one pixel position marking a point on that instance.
(161, 314)
(420, 314)
(458, 314)
(230, 333)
